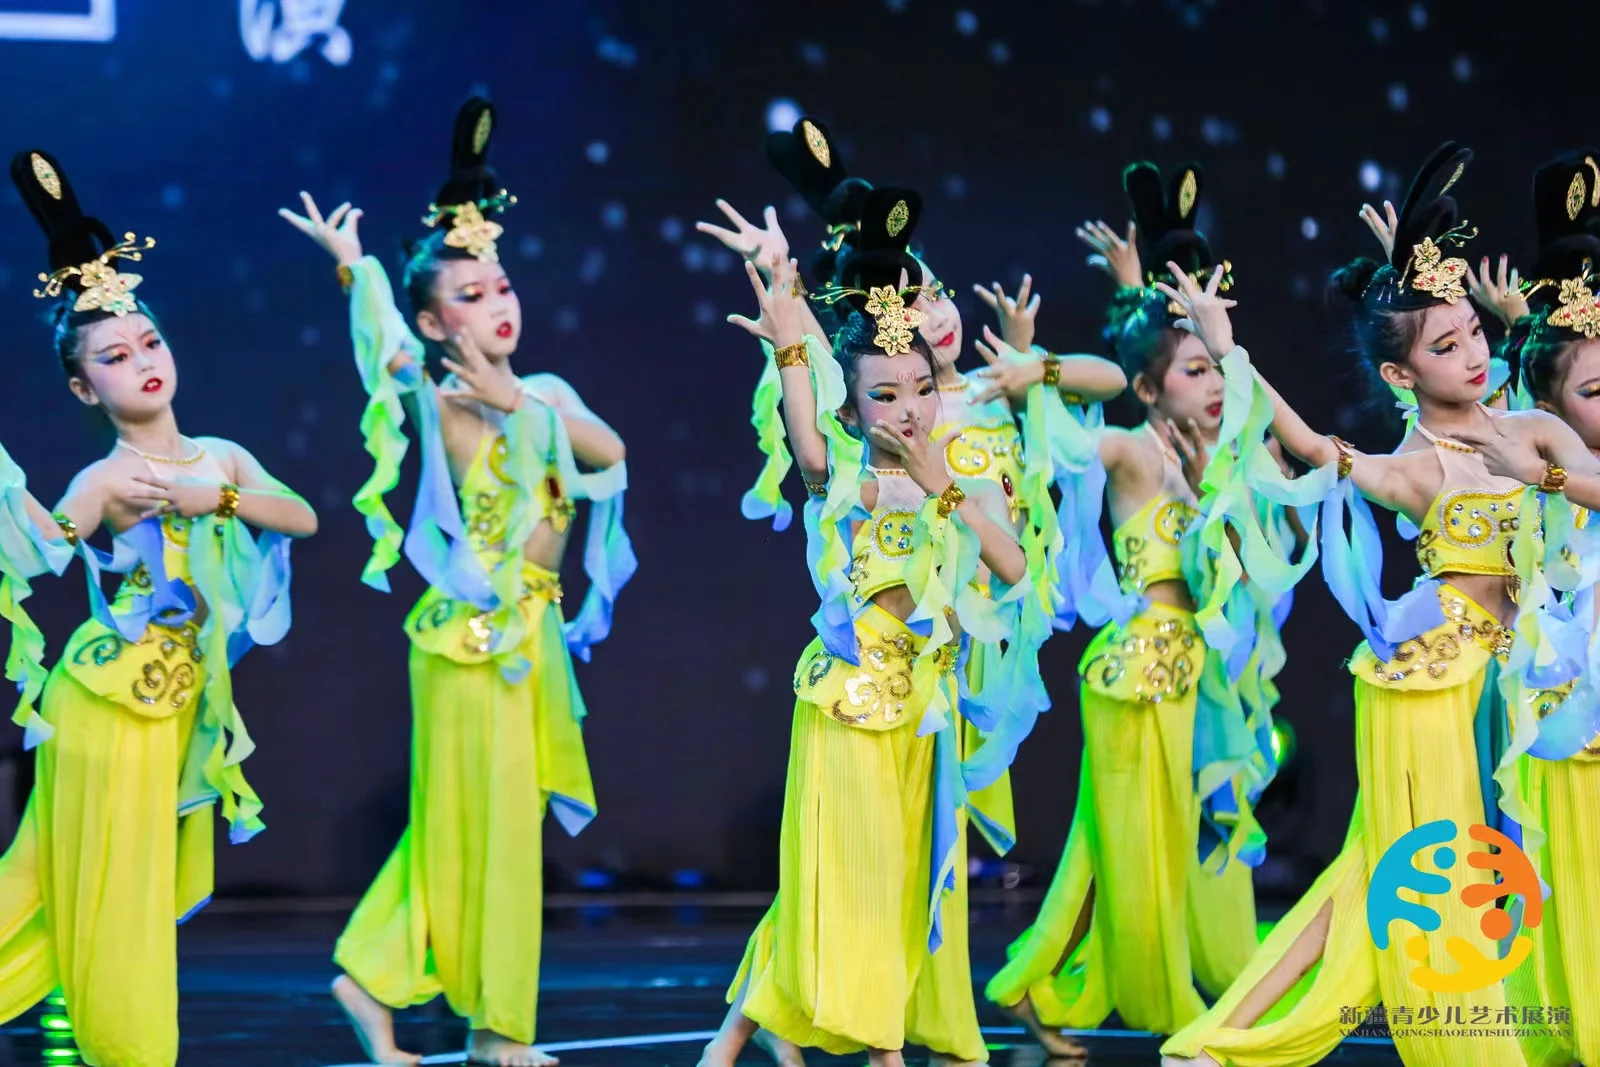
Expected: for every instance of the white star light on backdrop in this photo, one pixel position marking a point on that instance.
(98, 24)
(280, 30)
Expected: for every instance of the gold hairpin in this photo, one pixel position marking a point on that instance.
(1435, 275)
(836, 235)
(897, 323)
(470, 230)
(1577, 307)
(103, 288)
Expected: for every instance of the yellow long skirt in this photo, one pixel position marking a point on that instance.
(840, 962)
(100, 871)
(1158, 921)
(1416, 763)
(457, 908)
(1564, 970)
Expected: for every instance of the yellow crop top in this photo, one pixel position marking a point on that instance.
(1147, 543)
(881, 550)
(487, 493)
(989, 446)
(1471, 524)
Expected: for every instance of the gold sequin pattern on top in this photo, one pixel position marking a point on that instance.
(876, 691)
(992, 452)
(1151, 553)
(167, 676)
(1162, 656)
(488, 510)
(891, 536)
(1435, 651)
(1470, 532)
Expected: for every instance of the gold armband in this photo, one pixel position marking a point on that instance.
(794, 355)
(1555, 480)
(1052, 371)
(346, 276)
(950, 499)
(1347, 456)
(816, 489)
(69, 529)
(229, 504)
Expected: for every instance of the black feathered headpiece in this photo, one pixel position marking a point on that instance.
(81, 248)
(1418, 274)
(472, 193)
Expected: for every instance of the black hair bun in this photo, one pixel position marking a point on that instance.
(1351, 280)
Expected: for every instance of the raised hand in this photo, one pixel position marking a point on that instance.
(1502, 296)
(781, 301)
(920, 455)
(1382, 226)
(1016, 316)
(1206, 313)
(336, 234)
(1190, 448)
(762, 246)
(1117, 256)
(479, 381)
(1009, 372)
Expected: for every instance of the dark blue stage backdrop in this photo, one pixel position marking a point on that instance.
(621, 121)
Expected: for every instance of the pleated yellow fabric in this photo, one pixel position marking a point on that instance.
(1564, 970)
(1416, 762)
(457, 908)
(103, 866)
(1157, 920)
(840, 962)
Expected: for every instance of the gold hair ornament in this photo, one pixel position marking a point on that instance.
(470, 228)
(836, 235)
(897, 323)
(817, 143)
(102, 287)
(1578, 308)
(1202, 278)
(1432, 273)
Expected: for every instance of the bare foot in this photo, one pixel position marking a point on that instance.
(1205, 1059)
(784, 1053)
(881, 1057)
(373, 1022)
(1058, 1046)
(488, 1047)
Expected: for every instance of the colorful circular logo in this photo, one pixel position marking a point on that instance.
(1395, 871)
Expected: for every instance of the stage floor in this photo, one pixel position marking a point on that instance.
(622, 987)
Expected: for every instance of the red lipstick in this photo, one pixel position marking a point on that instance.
(503, 330)
(151, 385)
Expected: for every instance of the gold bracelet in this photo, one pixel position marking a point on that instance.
(346, 276)
(1052, 370)
(1347, 456)
(794, 355)
(1555, 480)
(950, 499)
(816, 489)
(69, 529)
(229, 504)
